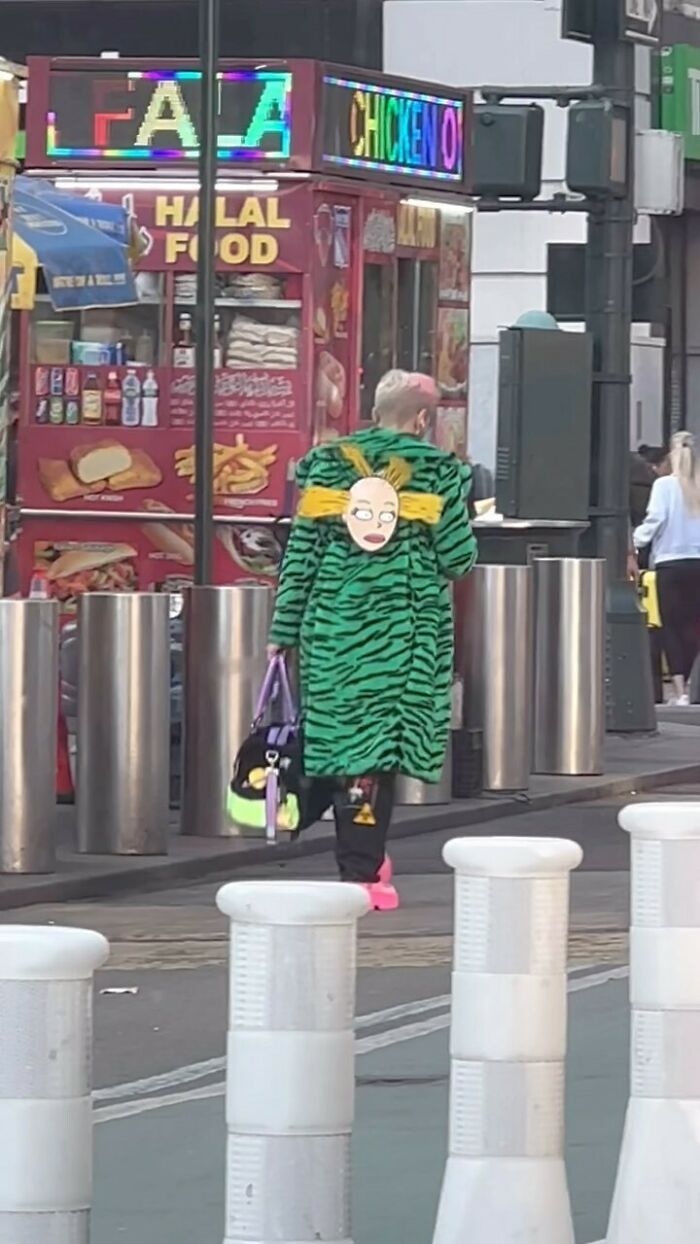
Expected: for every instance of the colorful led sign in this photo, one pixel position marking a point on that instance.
(112, 115)
(378, 127)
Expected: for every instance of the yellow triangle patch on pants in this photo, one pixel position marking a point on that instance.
(365, 816)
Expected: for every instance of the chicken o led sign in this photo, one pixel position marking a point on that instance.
(376, 127)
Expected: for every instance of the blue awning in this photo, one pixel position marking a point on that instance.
(81, 246)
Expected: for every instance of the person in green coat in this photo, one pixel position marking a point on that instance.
(381, 527)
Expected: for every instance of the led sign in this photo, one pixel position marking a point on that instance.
(378, 127)
(112, 115)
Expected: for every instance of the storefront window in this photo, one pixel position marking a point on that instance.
(104, 335)
(378, 352)
(257, 321)
(417, 303)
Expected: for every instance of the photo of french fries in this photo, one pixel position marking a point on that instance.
(238, 469)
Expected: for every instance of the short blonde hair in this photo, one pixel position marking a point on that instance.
(401, 395)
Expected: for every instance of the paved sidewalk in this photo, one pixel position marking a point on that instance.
(670, 758)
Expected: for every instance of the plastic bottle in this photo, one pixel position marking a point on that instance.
(112, 400)
(131, 400)
(39, 588)
(149, 406)
(91, 402)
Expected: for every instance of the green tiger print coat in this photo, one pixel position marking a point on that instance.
(375, 630)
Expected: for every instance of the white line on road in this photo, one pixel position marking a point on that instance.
(214, 1066)
(365, 1045)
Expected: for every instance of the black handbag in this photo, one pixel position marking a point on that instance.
(265, 795)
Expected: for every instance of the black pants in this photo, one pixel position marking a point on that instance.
(678, 586)
(362, 809)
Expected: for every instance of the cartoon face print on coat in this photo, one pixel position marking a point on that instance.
(372, 513)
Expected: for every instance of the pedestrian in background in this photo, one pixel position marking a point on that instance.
(381, 526)
(671, 533)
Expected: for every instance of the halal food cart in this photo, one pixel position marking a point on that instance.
(343, 245)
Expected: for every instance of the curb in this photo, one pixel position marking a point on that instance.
(159, 873)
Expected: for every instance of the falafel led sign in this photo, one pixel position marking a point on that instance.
(373, 126)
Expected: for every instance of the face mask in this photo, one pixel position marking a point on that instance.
(372, 513)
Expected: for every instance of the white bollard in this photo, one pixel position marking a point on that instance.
(657, 1193)
(505, 1181)
(45, 1082)
(291, 1060)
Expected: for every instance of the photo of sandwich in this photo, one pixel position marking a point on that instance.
(174, 541)
(255, 549)
(97, 467)
(74, 568)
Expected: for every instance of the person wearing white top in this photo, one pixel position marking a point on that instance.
(671, 530)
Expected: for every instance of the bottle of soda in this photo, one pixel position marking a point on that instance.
(112, 400)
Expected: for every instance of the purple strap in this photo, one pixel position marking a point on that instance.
(276, 673)
(271, 796)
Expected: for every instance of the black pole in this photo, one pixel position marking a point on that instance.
(204, 311)
(610, 253)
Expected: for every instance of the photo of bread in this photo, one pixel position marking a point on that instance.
(97, 467)
(91, 463)
(173, 540)
(59, 482)
(238, 469)
(73, 569)
(142, 472)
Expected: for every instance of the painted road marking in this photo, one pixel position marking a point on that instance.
(396, 1035)
(213, 1066)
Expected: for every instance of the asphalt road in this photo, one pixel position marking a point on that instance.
(159, 1050)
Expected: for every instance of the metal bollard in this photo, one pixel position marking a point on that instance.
(123, 788)
(657, 1193)
(569, 725)
(28, 715)
(291, 1087)
(225, 643)
(494, 651)
(505, 1180)
(45, 1082)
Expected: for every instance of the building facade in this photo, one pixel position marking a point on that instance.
(517, 43)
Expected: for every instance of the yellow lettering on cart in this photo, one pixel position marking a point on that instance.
(264, 249)
(274, 220)
(170, 210)
(234, 249)
(251, 213)
(177, 244)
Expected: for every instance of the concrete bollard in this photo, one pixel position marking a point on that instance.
(505, 1180)
(45, 1082)
(657, 1193)
(290, 1079)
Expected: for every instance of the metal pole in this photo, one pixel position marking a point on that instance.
(28, 694)
(204, 311)
(123, 723)
(609, 260)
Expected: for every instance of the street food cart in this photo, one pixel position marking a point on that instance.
(343, 247)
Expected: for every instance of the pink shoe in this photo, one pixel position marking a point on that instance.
(382, 896)
(386, 872)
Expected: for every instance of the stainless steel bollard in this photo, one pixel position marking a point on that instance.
(411, 792)
(226, 632)
(28, 714)
(123, 723)
(569, 712)
(495, 654)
